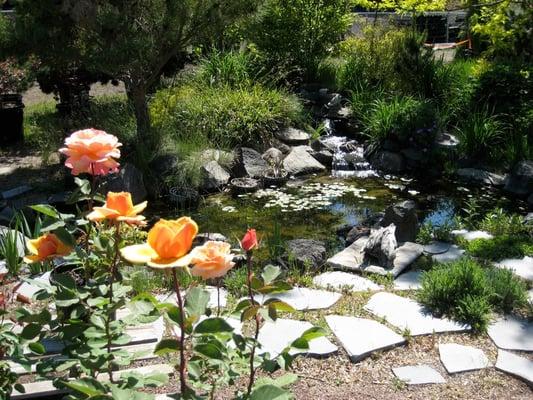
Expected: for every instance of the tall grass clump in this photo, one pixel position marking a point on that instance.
(233, 68)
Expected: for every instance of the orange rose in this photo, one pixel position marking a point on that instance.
(167, 247)
(46, 247)
(91, 151)
(212, 260)
(119, 207)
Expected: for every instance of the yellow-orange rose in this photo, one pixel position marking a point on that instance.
(91, 151)
(119, 207)
(212, 260)
(46, 247)
(168, 245)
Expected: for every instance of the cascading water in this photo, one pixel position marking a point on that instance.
(348, 156)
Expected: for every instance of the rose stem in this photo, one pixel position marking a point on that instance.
(256, 333)
(183, 378)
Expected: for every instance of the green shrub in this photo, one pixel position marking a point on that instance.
(508, 292)
(224, 115)
(498, 222)
(500, 247)
(474, 310)
(232, 68)
(429, 232)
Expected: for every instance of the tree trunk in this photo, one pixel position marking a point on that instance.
(137, 95)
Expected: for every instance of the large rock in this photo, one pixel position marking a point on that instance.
(164, 164)
(273, 156)
(249, 163)
(480, 176)
(324, 157)
(129, 179)
(351, 258)
(214, 176)
(293, 136)
(388, 161)
(300, 162)
(381, 245)
(306, 253)
(520, 182)
(357, 232)
(403, 216)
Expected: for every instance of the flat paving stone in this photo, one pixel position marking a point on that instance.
(530, 295)
(276, 336)
(408, 281)
(3, 268)
(213, 297)
(418, 374)
(459, 358)
(472, 235)
(453, 254)
(303, 299)
(515, 365)
(406, 313)
(521, 267)
(360, 337)
(437, 248)
(512, 333)
(26, 291)
(351, 258)
(345, 280)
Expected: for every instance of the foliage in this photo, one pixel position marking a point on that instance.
(296, 35)
(402, 6)
(224, 115)
(232, 68)
(501, 247)
(508, 291)
(14, 77)
(429, 232)
(499, 222)
(10, 241)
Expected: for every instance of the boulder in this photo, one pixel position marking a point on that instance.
(520, 181)
(381, 245)
(214, 176)
(350, 146)
(356, 232)
(306, 253)
(388, 161)
(249, 163)
(293, 136)
(480, 176)
(300, 162)
(128, 179)
(324, 157)
(273, 156)
(403, 216)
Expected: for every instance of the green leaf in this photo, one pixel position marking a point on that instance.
(65, 236)
(300, 344)
(280, 305)
(270, 392)
(46, 209)
(166, 346)
(196, 301)
(313, 333)
(51, 225)
(84, 185)
(98, 321)
(249, 313)
(66, 281)
(270, 274)
(37, 348)
(19, 388)
(31, 331)
(140, 307)
(88, 386)
(213, 325)
(209, 350)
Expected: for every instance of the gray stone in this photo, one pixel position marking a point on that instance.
(520, 181)
(249, 163)
(324, 157)
(403, 216)
(201, 238)
(480, 176)
(418, 374)
(276, 336)
(9, 194)
(471, 235)
(408, 281)
(388, 162)
(302, 299)
(447, 140)
(521, 267)
(3, 268)
(351, 258)
(404, 256)
(26, 291)
(530, 295)
(344, 280)
(436, 248)
(306, 253)
(381, 245)
(405, 313)
(512, 333)
(128, 179)
(515, 365)
(21, 239)
(214, 176)
(273, 156)
(459, 358)
(453, 254)
(357, 232)
(360, 337)
(293, 136)
(300, 162)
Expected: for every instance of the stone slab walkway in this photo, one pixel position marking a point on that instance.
(453, 254)
(408, 281)
(512, 333)
(515, 365)
(418, 374)
(521, 267)
(459, 358)
(472, 235)
(303, 299)
(339, 280)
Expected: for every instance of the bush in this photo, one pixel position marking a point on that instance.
(467, 292)
(225, 116)
(233, 68)
(501, 247)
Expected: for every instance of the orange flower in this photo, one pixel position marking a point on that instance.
(167, 247)
(249, 241)
(119, 207)
(212, 260)
(46, 247)
(91, 151)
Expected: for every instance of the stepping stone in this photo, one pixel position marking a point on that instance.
(521, 267)
(213, 297)
(453, 254)
(408, 281)
(471, 235)
(405, 313)
(437, 248)
(26, 291)
(340, 280)
(515, 365)
(512, 333)
(530, 295)
(459, 358)
(304, 299)
(405, 255)
(351, 258)
(360, 337)
(418, 374)
(276, 336)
